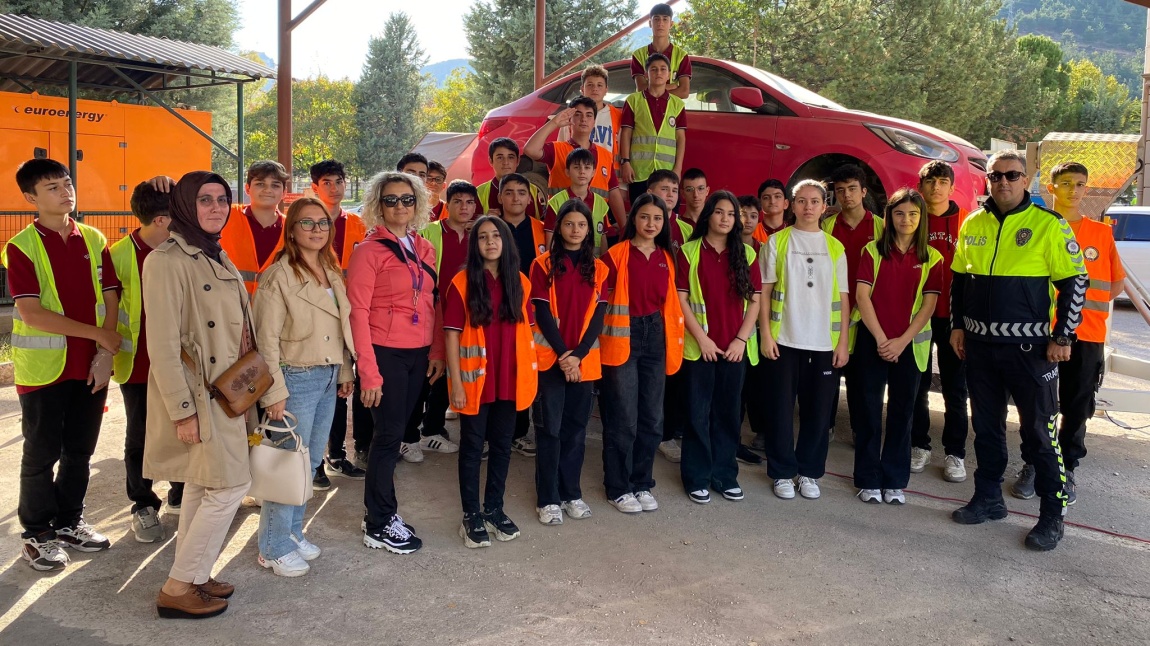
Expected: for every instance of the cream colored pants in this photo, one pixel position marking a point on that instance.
(205, 517)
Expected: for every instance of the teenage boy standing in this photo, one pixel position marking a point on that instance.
(936, 183)
(329, 183)
(504, 155)
(60, 275)
(661, 20)
(695, 191)
(580, 169)
(773, 205)
(656, 123)
(593, 85)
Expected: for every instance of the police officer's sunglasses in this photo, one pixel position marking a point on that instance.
(1010, 176)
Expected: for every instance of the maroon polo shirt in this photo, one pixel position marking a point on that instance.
(454, 256)
(575, 298)
(71, 271)
(658, 107)
(646, 280)
(768, 230)
(266, 238)
(853, 242)
(724, 306)
(534, 209)
(552, 216)
(338, 227)
(677, 238)
(637, 68)
(944, 238)
(894, 292)
(141, 363)
(499, 337)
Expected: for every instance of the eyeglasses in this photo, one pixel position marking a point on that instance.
(390, 201)
(310, 225)
(435, 179)
(1010, 176)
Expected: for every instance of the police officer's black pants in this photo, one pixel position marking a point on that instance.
(1078, 383)
(995, 371)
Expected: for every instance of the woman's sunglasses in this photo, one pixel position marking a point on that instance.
(390, 201)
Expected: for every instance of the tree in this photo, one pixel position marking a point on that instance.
(454, 106)
(207, 22)
(387, 98)
(323, 118)
(500, 40)
(1099, 103)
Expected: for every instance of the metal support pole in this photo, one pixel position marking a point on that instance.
(239, 197)
(283, 90)
(160, 102)
(1144, 148)
(72, 156)
(540, 41)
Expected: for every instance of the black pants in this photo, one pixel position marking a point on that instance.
(1078, 382)
(404, 370)
(631, 407)
(995, 371)
(61, 423)
(854, 397)
(362, 426)
(429, 411)
(754, 402)
(884, 463)
(675, 406)
(495, 424)
(810, 377)
(952, 372)
(136, 414)
(635, 189)
(562, 443)
(714, 389)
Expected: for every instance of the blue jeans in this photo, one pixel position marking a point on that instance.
(311, 398)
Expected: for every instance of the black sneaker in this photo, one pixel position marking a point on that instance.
(473, 531)
(44, 553)
(498, 523)
(395, 538)
(1023, 487)
(743, 454)
(1046, 534)
(979, 510)
(342, 468)
(363, 524)
(320, 482)
(82, 537)
(1069, 489)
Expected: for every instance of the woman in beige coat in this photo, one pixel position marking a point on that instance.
(303, 330)
(196, 304)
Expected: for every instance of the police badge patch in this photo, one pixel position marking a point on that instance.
(671, 122)
(1022, 237)
(1091, 253)
(1072, 247)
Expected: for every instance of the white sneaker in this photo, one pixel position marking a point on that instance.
(411, 452)
(671, 450)
(785, 488)
(954, 469)
(550, 515)
(307, 550)
(289, 565)
(438, 443)
(628, 504)
(893, 497)
(919, 458)
(451, 414)
(809, 488)
(577, 508)
(873, 496)
(647, 501)
(249, 501)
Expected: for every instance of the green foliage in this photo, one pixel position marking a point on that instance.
(500, 37)
(1099, 103)
(387, 98)
(208, 22)
(454, 107)
(1103, 24)
(323, 118)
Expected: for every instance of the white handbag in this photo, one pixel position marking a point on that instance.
(280, 474)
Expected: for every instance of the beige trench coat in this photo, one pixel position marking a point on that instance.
(195, 304)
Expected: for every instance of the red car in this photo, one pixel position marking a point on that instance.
(747, 125)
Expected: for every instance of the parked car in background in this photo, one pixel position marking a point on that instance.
(1132, 237)
(747, 125)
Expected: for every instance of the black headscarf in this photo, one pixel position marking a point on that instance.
(182, 209)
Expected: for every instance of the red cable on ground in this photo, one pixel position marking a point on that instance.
(1128, 537)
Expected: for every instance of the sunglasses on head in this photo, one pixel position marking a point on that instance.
(391, 201)
(1010, 176)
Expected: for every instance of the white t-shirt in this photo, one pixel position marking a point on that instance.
(603, 134)
(807, 308)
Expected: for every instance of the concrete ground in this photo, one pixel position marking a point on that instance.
(762, 571)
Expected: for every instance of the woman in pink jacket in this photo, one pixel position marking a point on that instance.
(391, 287)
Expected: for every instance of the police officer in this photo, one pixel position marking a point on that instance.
(1008, 255)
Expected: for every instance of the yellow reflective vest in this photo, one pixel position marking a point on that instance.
(691, 350)
(779, 293)
(921, 341)
(131, 307)
(653, 146)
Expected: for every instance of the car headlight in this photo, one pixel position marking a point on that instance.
(914, 144)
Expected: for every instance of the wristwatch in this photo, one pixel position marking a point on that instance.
(1062, 340)
(624, 160)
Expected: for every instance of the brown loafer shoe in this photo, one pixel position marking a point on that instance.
(218, 589)
(193, 604)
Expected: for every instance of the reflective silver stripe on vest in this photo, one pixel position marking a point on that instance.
(643, 155)
(649, 140)
(249, 276)
(922, 337)
(698, 308)
(101, 310)
(776, 295)
(16, 314)
(837, 306)
(1098, 306)
(601, 192)
(54, 342)
(595, 345)
(618, 310)
(836, 326)
(472, 351)
(1006, 330)
(1101, 284)
(541, 340)
(126, 345)
(125, 320)
(471, 376)
(612, 330)
(777, 317)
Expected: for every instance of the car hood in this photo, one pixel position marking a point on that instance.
(863, 117)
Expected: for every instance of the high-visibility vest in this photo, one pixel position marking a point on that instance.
(686, 228)
(600, 181)
(599, 212)
(484, 191)
(354, 231)
(38, 357)
(591, 366)
(473, 355)
(921, 341)
(691, 350)
(131, 307)
(615, 341)
(653, 146)
(779, 293)
(1096, 240)
(433, 233)
(239, 243)
(677, 56)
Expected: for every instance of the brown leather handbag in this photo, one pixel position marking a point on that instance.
(241, 385)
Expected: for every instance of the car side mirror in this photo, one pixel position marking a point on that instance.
(750, 98)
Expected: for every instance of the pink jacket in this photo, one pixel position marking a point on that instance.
(379, 288)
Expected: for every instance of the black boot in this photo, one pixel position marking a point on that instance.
(979, 510)
(1046, 534)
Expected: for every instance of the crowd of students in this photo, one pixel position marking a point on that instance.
(496, 305)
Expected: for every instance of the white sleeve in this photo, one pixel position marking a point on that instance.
(767, 258)
(841, 274)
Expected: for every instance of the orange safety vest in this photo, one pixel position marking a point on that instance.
(600, 181)
(239, 243)
(473, 355)
(1096, 239)
(354, 231)
(615, 341)
(438, 212)
(591, 366)
(537, 236)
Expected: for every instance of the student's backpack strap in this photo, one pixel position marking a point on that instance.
(399, 252)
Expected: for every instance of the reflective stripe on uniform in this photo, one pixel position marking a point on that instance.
(470, 376)
(472, 352)
(54, 342)
(249, 276)
(618, 310)
(1098, 306)
(1101, 284)
(612, 330)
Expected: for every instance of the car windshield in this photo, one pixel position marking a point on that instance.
(796, 92)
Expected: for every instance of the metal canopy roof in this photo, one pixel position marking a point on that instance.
(39, 51)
